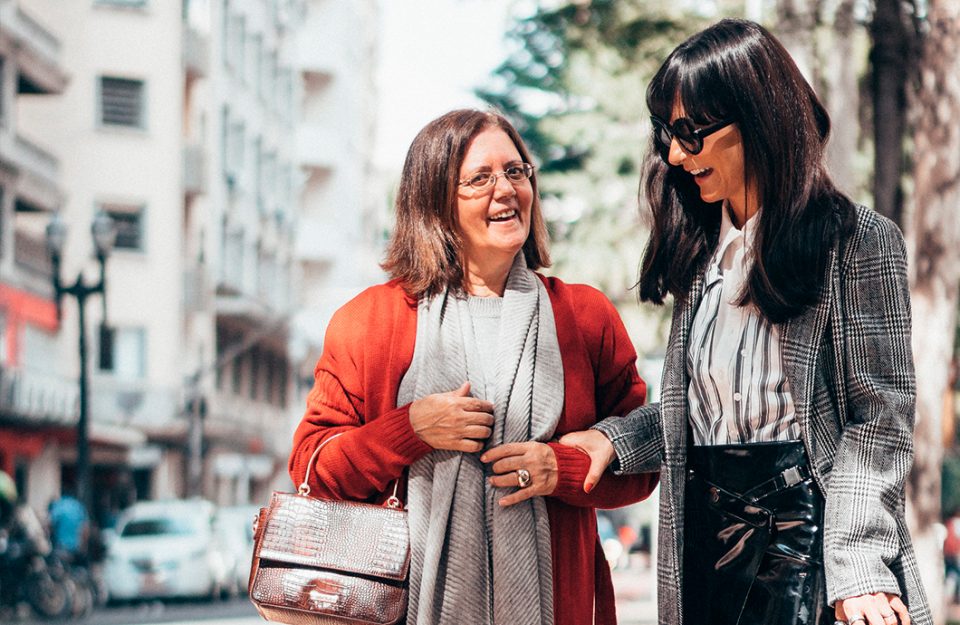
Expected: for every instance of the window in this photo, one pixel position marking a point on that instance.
(123, 352)
(122, 102)
(128, 221)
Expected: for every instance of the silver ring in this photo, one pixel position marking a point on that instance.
(857, 619)
(888, 615)
(523, 478)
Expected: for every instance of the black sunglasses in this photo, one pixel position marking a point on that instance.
(685, 132)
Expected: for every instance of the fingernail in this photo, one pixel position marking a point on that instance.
(587, 488)
(483, 458)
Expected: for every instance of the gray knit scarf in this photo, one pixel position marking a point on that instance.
(471, 560)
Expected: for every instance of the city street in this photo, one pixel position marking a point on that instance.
(634, 607)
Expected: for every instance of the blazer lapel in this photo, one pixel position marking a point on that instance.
(675, 378)
(800, 343)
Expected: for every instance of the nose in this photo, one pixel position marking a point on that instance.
(677, 154)
(503, 187)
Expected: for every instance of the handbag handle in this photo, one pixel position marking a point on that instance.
(304, 489)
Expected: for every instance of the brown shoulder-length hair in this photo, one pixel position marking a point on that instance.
(426, 249)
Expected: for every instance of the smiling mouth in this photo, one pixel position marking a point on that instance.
(506, 215)
(699, 173)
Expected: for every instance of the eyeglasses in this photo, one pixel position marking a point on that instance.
(486, 179)
(685, 132)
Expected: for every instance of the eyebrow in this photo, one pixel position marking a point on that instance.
(480, 168)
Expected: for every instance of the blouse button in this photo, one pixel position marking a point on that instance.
(736, 397)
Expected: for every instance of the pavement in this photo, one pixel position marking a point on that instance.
(635, 589)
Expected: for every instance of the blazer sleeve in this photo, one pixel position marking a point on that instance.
(865, 489)
(618, 389)
(373, 449)
(637, 440)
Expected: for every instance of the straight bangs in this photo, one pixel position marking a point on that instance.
(692, 80)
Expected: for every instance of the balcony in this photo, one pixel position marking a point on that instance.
(132, 403)
(37, 53)
(30, 256)
(37, 172)
(317, 148)
(37, 396)
(196, 297)
(195, 53)
(240, 419)
(194, 170)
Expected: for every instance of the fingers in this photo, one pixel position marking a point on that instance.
(503, 451)
(875, 609)
(594, 473)
(900, 609)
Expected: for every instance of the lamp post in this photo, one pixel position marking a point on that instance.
(104, 234)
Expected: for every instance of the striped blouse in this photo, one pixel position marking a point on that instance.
(738, 389)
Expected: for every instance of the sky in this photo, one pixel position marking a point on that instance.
(432, 54)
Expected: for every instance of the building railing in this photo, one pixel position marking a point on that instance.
(30, 254)
(195, 53)
(36, 158)
(194, 170)
(27, 29)
(271, 424)
(35, 395)
(132, 402)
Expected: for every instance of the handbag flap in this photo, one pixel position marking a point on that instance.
(338, 535)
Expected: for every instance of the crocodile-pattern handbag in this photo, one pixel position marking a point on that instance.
(320, 562)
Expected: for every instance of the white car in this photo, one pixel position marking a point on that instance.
(166, 549)
(234, 525)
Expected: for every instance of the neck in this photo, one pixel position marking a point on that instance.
(743, 208)
(487, 278)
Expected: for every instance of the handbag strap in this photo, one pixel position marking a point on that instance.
(304, 489)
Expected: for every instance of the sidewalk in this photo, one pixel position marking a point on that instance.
(635, 592)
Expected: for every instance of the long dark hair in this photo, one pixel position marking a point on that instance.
(736, 70)
(426, 249)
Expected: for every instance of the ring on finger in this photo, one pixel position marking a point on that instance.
(856, 619)
(523, 478)
(888, 616)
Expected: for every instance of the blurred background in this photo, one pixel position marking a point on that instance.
(190, 188)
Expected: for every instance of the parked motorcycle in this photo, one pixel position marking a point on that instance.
(30, 572)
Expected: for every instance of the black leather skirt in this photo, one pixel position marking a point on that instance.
(753, 537)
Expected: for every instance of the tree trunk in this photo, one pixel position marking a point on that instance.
(796, 26)
(934, 239)
(891, 62)
(841, 96)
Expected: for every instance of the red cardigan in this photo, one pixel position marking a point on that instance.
(368, 347)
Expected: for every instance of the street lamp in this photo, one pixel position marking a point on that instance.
(104, 234)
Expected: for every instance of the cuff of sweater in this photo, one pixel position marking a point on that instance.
(393, 429)
(572, 467)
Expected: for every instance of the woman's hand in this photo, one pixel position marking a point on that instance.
(509, 460)
(452, 420)
(595, 444)
(880, 608)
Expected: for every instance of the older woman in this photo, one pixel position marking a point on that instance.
(786, 422)
(458, 374)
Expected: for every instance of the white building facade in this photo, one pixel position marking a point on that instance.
(343, 229)
(180, 121)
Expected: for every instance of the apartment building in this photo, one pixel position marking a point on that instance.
(179, 121)
(37, 402)
(343, 223)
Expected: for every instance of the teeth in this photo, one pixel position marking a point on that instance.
(503, 215)
(697, 172)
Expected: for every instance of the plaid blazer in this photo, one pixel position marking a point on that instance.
(850, 368)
